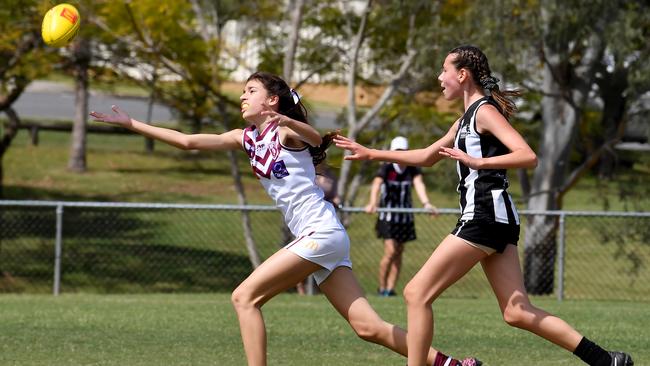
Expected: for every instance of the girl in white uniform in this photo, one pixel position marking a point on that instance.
(283, 149)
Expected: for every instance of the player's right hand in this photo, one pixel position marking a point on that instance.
(358, 151)
(118, 117)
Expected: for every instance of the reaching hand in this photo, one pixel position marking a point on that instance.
(276, 117)
(119, 117)
(359, 152)
(459, 155)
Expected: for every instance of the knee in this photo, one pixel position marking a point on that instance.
(415, 295)
(518, 316)
(393, 256)
(368, 330)
(242, 299)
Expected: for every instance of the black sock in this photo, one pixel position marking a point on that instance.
(592, 354)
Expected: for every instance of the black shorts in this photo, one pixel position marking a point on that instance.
(401, 232)
(494, 235)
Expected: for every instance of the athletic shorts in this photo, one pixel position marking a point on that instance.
(493, 235)
(401, 232)
(329, 248)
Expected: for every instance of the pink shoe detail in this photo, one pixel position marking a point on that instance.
(471, 361)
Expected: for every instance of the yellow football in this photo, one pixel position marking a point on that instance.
(60, 25)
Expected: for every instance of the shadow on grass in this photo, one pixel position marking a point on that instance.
(105, 251)
(151, 268)
(13, 192)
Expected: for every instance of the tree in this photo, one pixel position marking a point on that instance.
(22, 59)
(187, 45)
(575, 60)
(376, 24)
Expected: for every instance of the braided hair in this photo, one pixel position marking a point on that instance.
(474, 60)
(291, 106)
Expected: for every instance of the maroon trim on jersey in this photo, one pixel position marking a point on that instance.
(267, 129)
(263, 159)
(295, 241)
(272, 151)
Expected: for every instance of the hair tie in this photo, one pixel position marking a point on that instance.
(295, 96)
(489, 82)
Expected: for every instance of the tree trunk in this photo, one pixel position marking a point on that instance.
(207, 15)
(81, 56)
(251, 247)
(292, 42)
(149, 143)
(612, 90)
(565, 89)
(558, 120)
(10, 131)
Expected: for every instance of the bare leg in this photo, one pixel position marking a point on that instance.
(277, 274)
(346, 295)
(451, 260)
(504, 273)
(395, 266)
(390, 248)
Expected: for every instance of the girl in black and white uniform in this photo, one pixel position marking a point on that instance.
(484, 145)
(283, 149)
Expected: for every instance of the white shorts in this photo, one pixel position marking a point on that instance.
(329, 248)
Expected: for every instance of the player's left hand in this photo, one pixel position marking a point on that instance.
(275, 117)
(461, 156)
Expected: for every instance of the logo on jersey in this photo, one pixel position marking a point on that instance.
(279, 169)
(311, 245)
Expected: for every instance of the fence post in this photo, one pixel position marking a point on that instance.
(57, 250)
(560, 259)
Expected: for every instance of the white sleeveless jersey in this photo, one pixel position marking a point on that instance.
(289, 177)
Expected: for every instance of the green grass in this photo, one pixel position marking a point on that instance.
(117, 245)
(120, 170)
(203, 330)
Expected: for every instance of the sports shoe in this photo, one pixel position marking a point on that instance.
(470, 361)
(621, 359)
(389, 293)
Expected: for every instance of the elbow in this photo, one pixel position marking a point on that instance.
(185, 144)
(317, 141)
(532, 160)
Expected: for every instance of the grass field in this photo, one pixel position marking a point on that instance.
(202, 330)
(120, 171)
(196, 329)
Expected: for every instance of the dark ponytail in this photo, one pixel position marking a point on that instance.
(474, 60)
(291, 106)
(319, 153)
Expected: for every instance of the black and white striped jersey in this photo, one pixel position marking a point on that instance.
(396, 191)
(483, 195)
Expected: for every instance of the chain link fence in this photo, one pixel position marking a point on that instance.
(53, 247)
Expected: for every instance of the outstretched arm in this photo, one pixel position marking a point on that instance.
(419, 157)
(230, 140)
(295, 130)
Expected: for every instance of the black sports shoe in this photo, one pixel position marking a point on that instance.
(621, 359)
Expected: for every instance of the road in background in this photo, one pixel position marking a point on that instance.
(51, 100)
